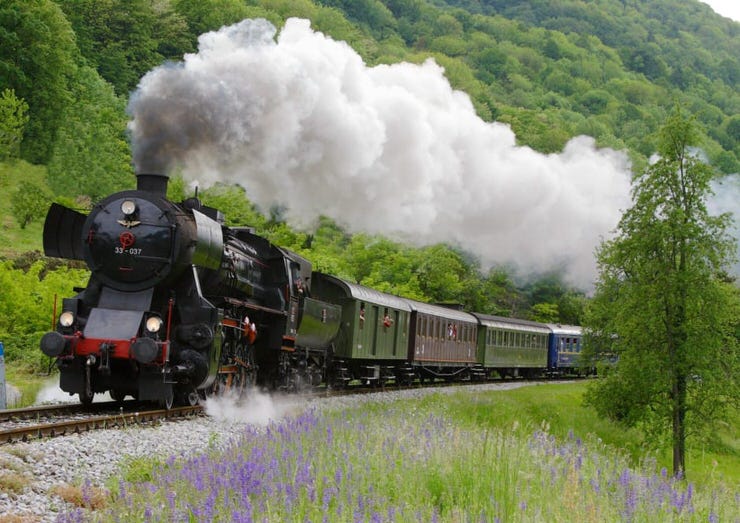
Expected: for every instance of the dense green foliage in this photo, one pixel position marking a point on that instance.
(30, 288)
(38, 57)
(610, 70)
(13, 118)
(663, 305)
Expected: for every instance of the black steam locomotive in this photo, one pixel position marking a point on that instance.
(179, 305)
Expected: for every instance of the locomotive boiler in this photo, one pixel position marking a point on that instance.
(178, 305)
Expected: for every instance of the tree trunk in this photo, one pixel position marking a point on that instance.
(679, 425)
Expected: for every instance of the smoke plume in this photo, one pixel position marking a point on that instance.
(302, 123)
(726, 199)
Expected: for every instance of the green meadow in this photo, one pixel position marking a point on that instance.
(530, 454)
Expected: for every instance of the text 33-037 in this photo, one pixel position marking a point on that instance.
(132, 251)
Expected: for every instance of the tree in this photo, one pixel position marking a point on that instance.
(91, 155)
(29, 203)
(208, 15)
(13, 118)
(662, 304)
(38, 57)
(121, 38)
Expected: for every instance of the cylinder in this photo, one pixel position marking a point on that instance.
(153, 183)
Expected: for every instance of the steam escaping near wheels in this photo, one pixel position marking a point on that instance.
(252, 406)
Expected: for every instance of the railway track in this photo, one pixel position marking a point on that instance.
(48, 421)
(60, 420)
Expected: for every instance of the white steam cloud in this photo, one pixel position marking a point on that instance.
(302, 123)
(726, 199)
(256, 408)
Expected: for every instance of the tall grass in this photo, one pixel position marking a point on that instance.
(414, 461)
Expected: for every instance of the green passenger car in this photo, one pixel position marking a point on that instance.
(512, 347)
(375, 325)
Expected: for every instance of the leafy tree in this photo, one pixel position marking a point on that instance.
(727, 163)
(13, 118)
(208, 15)
(545, 312)
(442, 273)
(410, 9)
(232, 201)
(171, 31)
(91, 155)
(662, 304)
(27, 306)
(29, 202)
(37, 58)
(119, 38)
(571, 307)
(371, 14)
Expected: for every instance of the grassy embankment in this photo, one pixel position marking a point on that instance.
(15, 241)
(531, 454)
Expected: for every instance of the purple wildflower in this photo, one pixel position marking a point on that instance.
(595, 486)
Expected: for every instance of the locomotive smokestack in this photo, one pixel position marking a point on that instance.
(153, 183)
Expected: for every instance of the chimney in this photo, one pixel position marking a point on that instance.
(152, 183)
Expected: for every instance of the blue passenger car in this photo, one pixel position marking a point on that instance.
(564, 348)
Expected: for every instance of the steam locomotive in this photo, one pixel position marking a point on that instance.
(179, 305)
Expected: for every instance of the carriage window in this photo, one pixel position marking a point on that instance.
(387, 321)
(362, 315)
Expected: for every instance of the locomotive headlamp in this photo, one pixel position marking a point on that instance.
(128, 207)
(66, 319)
(153, 324)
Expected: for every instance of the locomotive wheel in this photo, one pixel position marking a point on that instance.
(246, 376)
(238, 374)
(189, 398)
(250, 370)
